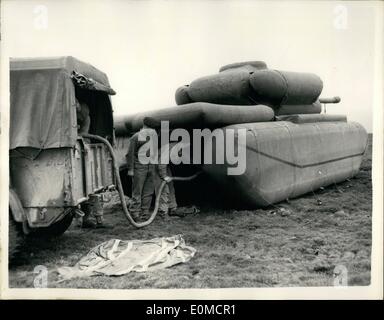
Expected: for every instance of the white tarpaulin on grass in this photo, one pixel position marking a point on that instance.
(118, 257)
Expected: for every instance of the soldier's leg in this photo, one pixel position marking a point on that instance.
(172, 204)
(148, 191)
(138, 180)
(98, 211)
(97, 207)
(87, 222)
(163, 201)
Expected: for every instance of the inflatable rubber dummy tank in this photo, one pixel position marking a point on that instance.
(290, 147)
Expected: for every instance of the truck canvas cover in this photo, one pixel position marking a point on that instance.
(43, 104)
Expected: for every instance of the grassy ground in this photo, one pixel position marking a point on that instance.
(251, 248)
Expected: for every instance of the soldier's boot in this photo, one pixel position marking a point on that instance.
(98, 212)
(132, 210)
(100, 223)
(164, 215)
(174, 212)
(134, 215)
(145, 215)
(87, 222)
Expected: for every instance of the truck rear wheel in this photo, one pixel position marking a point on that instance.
(15, 237)
(56, 229)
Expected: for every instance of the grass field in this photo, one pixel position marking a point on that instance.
(299, 246)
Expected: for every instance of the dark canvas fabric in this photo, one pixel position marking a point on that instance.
(43, 109)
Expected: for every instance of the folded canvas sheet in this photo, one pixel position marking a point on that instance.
(118, 257)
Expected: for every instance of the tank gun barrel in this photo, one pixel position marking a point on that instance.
(335, 99)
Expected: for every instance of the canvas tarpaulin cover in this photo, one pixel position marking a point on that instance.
(118, 257)
(43, 105)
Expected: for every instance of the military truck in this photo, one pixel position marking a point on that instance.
(54, 170)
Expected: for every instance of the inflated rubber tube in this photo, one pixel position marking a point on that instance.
(201, 115)
(230, 87)
(298, 109)
(247, 65)
(241, 87)
(269, 87)
(285, 160)
(302, 88)
(310, 118)
(285, 88)
(330, 100)
(181, 95)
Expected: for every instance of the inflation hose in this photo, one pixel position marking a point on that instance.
(120, 186)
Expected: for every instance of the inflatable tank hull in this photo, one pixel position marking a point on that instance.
(285, 160)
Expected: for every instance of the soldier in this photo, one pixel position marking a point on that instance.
(83, 118)
(142, 174)
(94, 206)
(160, 174)
(168, 204)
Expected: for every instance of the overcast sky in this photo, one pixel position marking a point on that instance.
(149, 48)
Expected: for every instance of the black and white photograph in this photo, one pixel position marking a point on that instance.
(158, 145)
